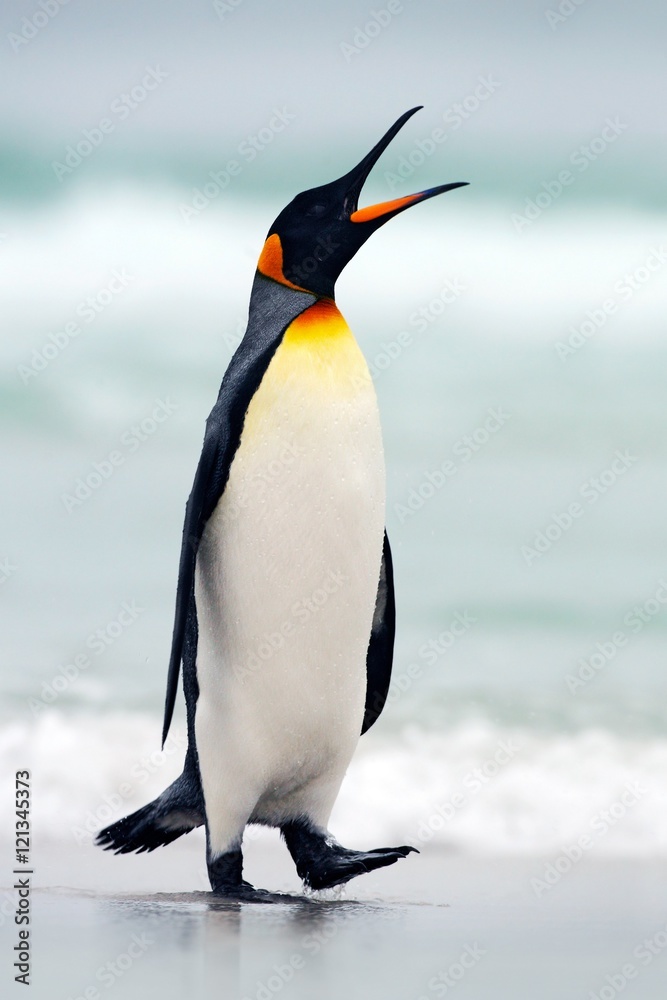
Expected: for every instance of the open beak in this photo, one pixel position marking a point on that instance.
(354, 181)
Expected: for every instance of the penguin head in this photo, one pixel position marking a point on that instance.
(320, 231)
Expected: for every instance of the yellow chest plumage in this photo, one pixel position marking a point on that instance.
(287, 576)
(318, 361)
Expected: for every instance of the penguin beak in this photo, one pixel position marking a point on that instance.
(382, 212)
(385, 210)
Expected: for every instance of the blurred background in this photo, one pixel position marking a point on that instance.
(515, 332)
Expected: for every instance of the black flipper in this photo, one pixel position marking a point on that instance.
(272, 308)
(381, 646)
(178, 810)
(210, 480)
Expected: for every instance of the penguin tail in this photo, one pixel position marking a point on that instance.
(178, 810)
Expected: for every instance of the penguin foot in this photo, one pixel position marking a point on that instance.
(228, 885)
(340, 865)
(246, 893)
(322, 863)
(225, 873)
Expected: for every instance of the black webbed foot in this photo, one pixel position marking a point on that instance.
(228, 885)
(322, 863)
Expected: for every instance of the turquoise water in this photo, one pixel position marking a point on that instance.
(520, 370)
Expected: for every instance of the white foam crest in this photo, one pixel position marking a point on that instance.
(479, 789)
(88, 770)
(484, 789)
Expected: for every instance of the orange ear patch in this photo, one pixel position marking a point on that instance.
(270, 262)
(375, 211)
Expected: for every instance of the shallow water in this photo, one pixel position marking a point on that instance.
(493, 937)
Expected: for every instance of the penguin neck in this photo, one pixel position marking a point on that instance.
(271, 265)
(268, 295)
(273, 306)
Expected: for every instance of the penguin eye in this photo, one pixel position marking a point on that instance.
(316, 211)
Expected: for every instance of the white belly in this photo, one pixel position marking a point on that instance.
(287, 576)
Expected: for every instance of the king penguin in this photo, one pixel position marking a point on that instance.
(285, 609)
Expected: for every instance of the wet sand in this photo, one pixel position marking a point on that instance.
(431, 926)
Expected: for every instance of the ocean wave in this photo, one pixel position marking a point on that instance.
(479, 789)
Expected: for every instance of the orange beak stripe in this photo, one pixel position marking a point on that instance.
(375, 211)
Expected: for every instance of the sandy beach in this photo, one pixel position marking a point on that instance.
(138, 926)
